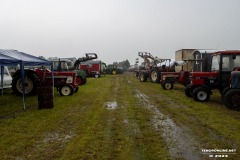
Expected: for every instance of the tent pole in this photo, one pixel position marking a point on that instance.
(2, 71)
(23, 84)
(52, 78)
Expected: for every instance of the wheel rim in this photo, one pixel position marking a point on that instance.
(66, 90)
(96, 76)
(28, 85)
(202, 95)
(168, 85)
(154, 76)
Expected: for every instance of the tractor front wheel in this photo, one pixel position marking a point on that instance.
(167, 85)
(142, 77)
(189, 90)
(231, 99)
(201, 94)
(66, 90)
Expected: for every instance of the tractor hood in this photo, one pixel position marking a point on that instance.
(204, 74)
(200, 78)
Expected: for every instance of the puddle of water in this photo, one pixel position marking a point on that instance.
(179, 143)
(111, 105)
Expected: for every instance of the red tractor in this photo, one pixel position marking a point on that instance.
(65, 82)
(168, 79)
(67, 64)
(224, 76)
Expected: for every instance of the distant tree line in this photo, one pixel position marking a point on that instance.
(124, 64)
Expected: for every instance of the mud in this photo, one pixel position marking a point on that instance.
(180, 144)
(111, 105)
(57, 137)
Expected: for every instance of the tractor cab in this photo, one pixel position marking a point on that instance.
(222, 65)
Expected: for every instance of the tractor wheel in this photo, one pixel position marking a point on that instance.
(189, 90)
(201, 94)
(224, 91)
(96, 75)
(232, 99)
(75, 89)
(167, 85)
(142, 77)
(135, 73)
(30, 85)
(114, 71)
(155, 76)
(66, 90)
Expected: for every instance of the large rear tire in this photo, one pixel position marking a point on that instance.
(30, 85)
(232, 99)
(155, 76)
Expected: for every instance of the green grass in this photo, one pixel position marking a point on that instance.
(82, 127)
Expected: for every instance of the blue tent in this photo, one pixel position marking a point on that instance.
(14, 57)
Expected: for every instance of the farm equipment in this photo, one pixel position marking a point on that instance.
(113, 69)
(168, 79)
(65, 82)
(93, 68)
(224, 76)
(67, 64)
(151, 69)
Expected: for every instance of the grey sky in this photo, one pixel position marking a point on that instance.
(118, 29)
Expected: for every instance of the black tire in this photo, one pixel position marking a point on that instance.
(142, 77)
(155, 75)
(232, 99)
(135, 73)
(201, 94)
(75, 89)
(167, 85)
(66, 90)
(96, 75)
(189, 91)
(31, 83)
(224, 91)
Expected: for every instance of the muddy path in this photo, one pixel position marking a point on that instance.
(119, 117)
(180, 142)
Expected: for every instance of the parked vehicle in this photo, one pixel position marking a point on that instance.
(223, 67)
(7, 78)
(168, 79)
(113, 69)
(65, 82)
(151, 68)
(231, 94)
(93, 68)
(73, 65)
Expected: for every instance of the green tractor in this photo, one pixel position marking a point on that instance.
(113, 69)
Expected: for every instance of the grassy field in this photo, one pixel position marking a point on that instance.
(118, 117)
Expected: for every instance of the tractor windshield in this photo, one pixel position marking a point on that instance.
(215, 63)
(229, 62)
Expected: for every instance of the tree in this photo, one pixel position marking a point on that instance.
(124, 64)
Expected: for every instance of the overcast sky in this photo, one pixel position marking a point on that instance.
(118, 29)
